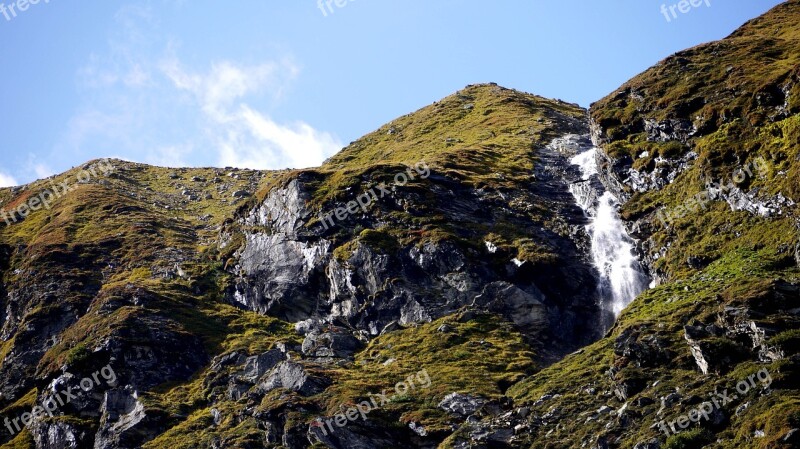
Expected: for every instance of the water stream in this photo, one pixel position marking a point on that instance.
(621, 275)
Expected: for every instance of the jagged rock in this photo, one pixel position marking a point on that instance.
(350, 437)
(651, 444)
(283, 270)
(642, 349)
(154, 352)
(391, 327)
(124, 421)
(335, 343)
(307, 326)
(216, 415)
(293, 376)
(287, 347)
(525, 309)
(663, 172)
(272, 433)
(668, 401)
(439, 259)
(234, 358)
(237, 388)
(751, 202)
(58, 435)
(669, 130)
(604, 410)
(691, 334)
(257, 365)
(627, 388)
(190, 195)
(741, 327)
(418, 429)
(759, 336)
(445, 329)
(277, 269)
(797, 254)
(498, 436)
(461, 404)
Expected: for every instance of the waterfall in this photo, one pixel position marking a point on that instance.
(621, 275)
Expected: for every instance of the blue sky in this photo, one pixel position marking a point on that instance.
(279, 83)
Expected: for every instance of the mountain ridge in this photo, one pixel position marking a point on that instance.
(232, 318)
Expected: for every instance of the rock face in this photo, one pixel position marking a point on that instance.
(461, 405)
(281, 304)
(286, 264)
(294, 270)
(654, 148)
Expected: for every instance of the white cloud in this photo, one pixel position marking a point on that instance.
(37, 168)
(143, 102)
(43, 171)
(245, 137)
(7, 180)
(300, 144)
(226, 82)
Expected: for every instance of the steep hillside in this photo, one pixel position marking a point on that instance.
(434, 284)
(238, 308)
(705, 148)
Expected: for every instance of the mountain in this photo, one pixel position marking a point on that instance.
(453, 279)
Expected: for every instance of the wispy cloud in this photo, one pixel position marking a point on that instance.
(246, 137)
(7, 180)
(142, 102)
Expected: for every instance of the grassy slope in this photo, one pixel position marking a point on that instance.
(729, 90)
(490, 144)
(119, 233)
(126, 230)
(484, 136)
(721, 88)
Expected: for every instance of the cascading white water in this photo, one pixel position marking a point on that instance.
(621, 275)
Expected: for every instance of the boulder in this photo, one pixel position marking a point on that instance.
(257, 365)
(293, 376)
(335, 343)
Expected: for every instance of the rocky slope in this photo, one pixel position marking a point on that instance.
(432, 285)
(234, 310)
(704, 148)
